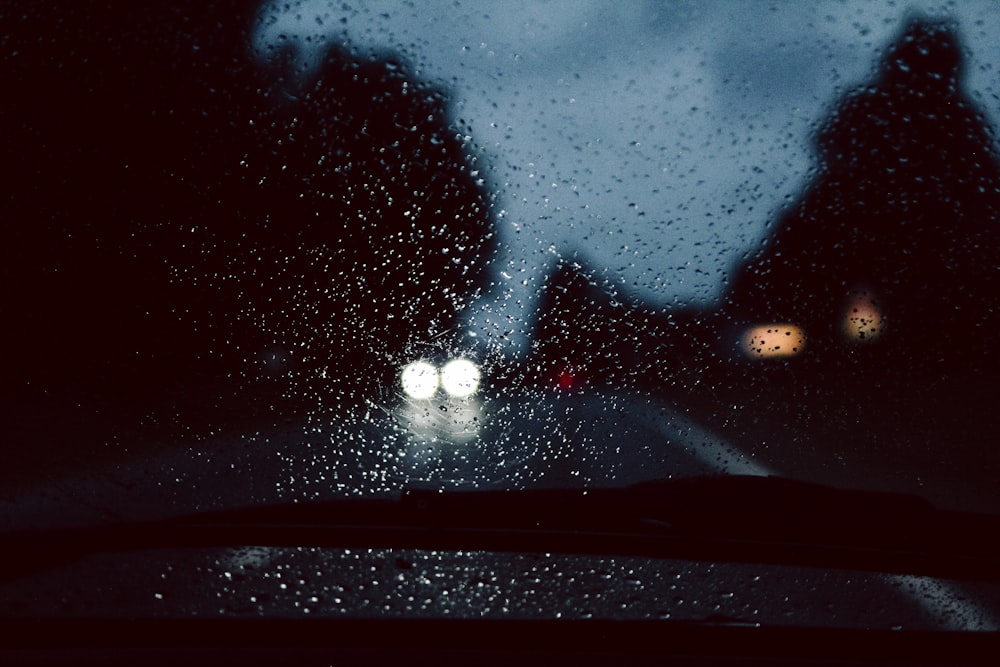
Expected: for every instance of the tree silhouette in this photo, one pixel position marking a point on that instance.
(903, 215)
(179, 211)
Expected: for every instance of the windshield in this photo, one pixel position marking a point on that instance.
(281, 252)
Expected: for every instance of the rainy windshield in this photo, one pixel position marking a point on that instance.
(310, 250)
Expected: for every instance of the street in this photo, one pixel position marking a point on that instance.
(528, 440)
(540, 439)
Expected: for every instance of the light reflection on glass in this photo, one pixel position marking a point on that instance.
(448, 419)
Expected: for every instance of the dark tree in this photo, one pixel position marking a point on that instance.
(903, 219)
(182, 212)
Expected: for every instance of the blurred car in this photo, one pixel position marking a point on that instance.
(441, 411)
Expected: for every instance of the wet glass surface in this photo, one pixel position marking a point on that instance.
(383, 583)
(308, 251)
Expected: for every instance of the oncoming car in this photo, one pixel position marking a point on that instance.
(440, 405)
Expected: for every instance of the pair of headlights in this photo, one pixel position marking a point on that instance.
(458, 378)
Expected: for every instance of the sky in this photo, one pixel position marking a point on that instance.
(652, 141)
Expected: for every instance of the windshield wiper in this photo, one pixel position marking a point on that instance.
(719, 519)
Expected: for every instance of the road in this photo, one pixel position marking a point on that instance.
(524, 440)
(510, 439)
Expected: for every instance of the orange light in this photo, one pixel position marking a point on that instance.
(863, 320)
(770, 341)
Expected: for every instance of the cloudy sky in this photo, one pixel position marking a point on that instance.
(654, 140)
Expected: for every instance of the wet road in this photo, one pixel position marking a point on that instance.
(526, 440)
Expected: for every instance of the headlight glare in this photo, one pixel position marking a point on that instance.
(419, 379)
(460, 377)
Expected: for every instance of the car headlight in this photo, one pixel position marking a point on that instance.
(419, 379)
(441, 406)
(460, 378)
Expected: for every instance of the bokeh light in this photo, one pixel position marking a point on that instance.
(460, 377)
(769, 341)
(419, 379)
(863, 320)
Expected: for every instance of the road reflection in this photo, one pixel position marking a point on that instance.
(444, 420)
